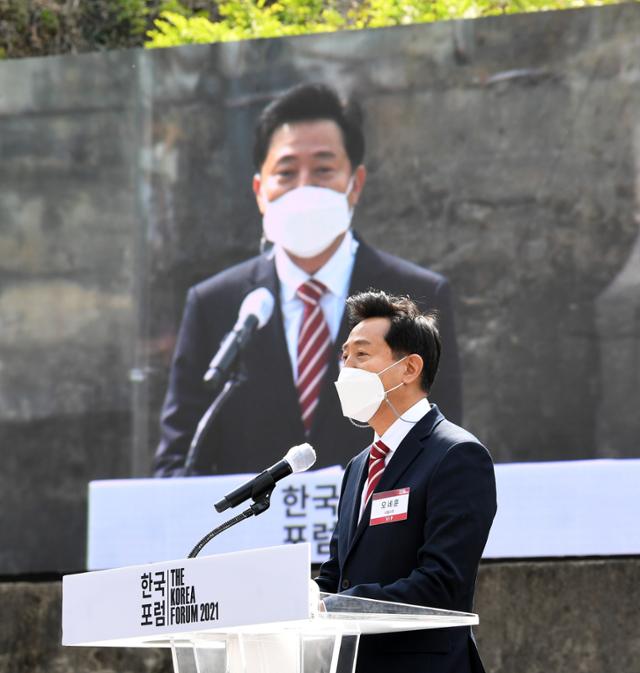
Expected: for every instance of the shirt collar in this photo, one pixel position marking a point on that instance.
(335, 274)
(400, 428)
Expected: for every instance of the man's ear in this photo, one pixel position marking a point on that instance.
(257, 183)
(359, 178)
(414, 365)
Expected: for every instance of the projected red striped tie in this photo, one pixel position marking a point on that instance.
(377, 455)
(314, 345)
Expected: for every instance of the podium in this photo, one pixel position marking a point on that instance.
(243, 612)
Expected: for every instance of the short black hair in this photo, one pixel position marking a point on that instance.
(410, 331)
(310, 102)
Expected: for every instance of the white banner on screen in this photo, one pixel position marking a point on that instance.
(134, 521)
(564, 508)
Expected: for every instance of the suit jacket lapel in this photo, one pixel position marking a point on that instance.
(401, 461)
(409, 449)
(352, 501)
(360, 472)
(265, 276)
(273, 341)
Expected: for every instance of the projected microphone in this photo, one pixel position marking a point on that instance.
(255, 311)
(298, 459)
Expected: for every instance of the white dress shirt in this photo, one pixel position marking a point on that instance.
(395, 433)
(335, 275)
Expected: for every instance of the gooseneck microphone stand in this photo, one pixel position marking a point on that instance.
(262, 489)
(237, 377)
(261, 496)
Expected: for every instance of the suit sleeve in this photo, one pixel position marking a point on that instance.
(186, 399)
(447, 388)
(461, 504)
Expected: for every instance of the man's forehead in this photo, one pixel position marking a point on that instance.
(371, 331)
(321, 135)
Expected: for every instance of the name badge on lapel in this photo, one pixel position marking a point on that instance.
(389, 506)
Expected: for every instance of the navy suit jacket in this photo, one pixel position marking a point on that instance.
(262, 419)
(429, 559)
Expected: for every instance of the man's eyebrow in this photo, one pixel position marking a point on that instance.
(324, 154)
(286, 159)
(320, 154)
(359, 341)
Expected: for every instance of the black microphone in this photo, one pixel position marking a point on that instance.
(298, 459)
(254, 313)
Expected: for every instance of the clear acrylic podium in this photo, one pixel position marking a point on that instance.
(243, 612)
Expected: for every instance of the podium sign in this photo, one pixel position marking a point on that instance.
(143, 604)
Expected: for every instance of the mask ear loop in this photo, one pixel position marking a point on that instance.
(265, 244)
(386, 392)
(395, 411)
(348, 193)
(350, 184)
(357, 424)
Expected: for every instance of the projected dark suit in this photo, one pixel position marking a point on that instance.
(262, 419)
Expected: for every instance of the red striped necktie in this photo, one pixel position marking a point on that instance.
(377, 455)
(314, 345)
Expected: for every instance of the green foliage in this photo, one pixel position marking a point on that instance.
(31, 28)
(116, 23)
(49, 20)
(243, 19)
(41, 27)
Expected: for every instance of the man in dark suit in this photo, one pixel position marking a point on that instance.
(308, 155)
(417, 505)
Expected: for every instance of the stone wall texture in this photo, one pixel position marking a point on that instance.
(503, 152)
(551, 617)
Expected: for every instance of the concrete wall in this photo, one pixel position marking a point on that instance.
(68, 139)
(501, 152)
(553, 617)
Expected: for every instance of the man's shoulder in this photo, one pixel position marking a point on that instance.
(440, 433)
(455, 434)
(448, 436)
(232, 278)
(392, 265)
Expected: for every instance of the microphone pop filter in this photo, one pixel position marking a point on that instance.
(259, 302)
(301, 457)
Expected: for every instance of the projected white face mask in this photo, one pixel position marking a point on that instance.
(361, 392)
(306, 220)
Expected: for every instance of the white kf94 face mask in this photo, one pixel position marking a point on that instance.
(306, 220)
(361, 392)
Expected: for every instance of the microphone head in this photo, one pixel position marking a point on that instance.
(301, 457)
(260, 303)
